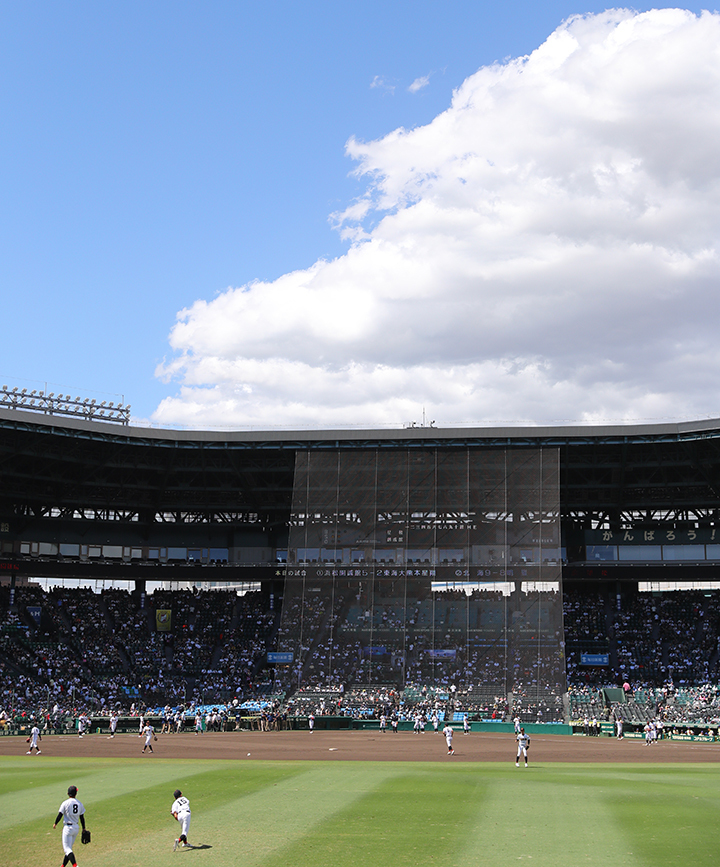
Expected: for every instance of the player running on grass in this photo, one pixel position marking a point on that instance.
(181, 812)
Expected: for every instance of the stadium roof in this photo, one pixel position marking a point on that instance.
(541, 435)
(64, 477)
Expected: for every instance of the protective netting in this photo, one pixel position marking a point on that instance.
(426, 566)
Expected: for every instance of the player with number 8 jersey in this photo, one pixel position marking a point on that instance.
(72, 814)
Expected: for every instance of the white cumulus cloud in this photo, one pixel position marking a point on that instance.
(544, 249)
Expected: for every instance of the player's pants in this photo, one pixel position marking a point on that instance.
(184, 819)
(522, 751)
(69, 834)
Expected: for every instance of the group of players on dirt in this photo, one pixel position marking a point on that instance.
(523, 739)
(147, 730)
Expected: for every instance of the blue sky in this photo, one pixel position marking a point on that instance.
(155, 154)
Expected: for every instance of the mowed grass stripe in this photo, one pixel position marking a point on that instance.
(44, 783)
(669, 816)
(250, 827)
(419, 815)
(541, 817)
(262, 828)
(126, 801)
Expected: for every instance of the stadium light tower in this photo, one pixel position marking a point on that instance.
(64, 405)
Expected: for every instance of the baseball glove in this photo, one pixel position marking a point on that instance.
(27, 740)
(85, 836)
(155, 737)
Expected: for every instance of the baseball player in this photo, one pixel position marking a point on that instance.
(71, 812)
(35, 736)
(113, 723)
(466, 723)
(82, 723)
(311, 722)
(198, 724)
(181, 812)
(449, 732)
(523, 742)
(148, 731)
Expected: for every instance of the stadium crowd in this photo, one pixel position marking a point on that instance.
(71, 650)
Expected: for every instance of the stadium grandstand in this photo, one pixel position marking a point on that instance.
(547, 573)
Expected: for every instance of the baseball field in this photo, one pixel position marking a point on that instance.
(360, 798)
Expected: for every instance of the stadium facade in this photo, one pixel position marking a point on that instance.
(406, 547)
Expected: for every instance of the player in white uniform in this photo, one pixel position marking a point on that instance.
(113, 723)
(34, 737)
(523, 742)
(466, 724)
(72, 814)
(311, 723)
(448, 732)
(198, 724)
(148, 731)
(181, 811)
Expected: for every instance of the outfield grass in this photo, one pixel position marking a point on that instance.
(314, 814)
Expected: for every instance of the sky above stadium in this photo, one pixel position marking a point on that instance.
(315, 214)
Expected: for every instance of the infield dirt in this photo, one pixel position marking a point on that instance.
(365, 746)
